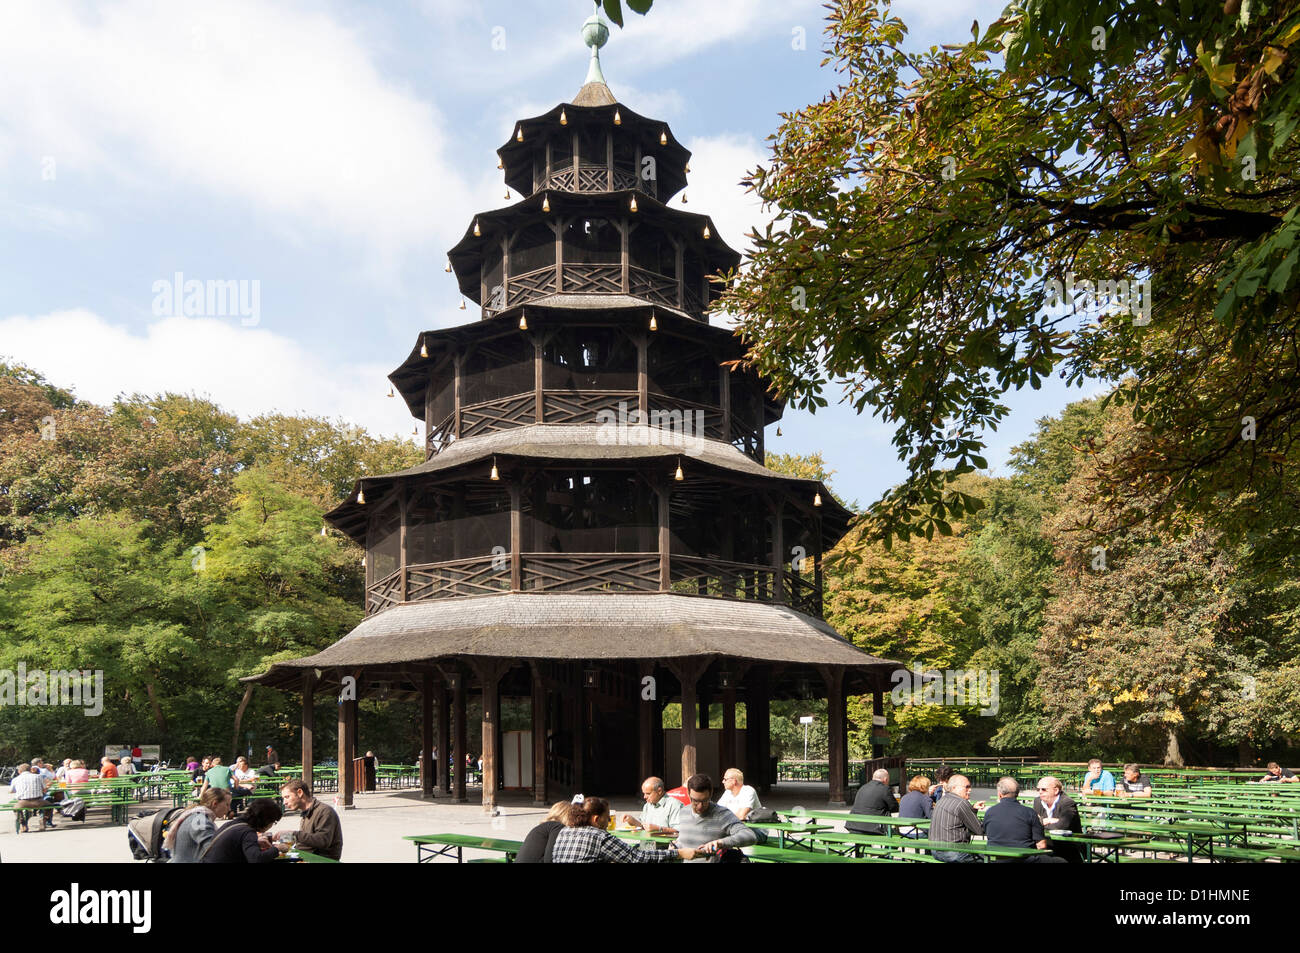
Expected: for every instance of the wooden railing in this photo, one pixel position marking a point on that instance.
(594, 177)
(652, 286)
(592, 572)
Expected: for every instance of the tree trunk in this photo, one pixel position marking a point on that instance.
(239, 716)
(1173, 756)
(1245, 753)
(158, 717)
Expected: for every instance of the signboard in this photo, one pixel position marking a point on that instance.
(151, 752)
(115, 751)
(808, 720)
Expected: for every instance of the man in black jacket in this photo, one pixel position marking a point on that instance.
(874, 798)
(1058, 813)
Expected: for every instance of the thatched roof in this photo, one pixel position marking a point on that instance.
(578, 443)
(583, 626)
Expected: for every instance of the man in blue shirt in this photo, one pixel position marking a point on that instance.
(1012, 824)
(1097, 781)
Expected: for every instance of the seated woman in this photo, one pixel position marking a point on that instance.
(241, 840)
(586, 840)
(539, 845)
(915, 803)
(190, 834)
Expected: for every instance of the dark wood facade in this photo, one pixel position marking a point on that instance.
(589, 437)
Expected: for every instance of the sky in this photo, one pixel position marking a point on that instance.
(313, 161)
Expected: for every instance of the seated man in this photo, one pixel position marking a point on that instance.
(1278, 773)
(953, 820)
(1097, 781)
(659, 813)
(1134, 783)
(320, 831)
(1009, 823)
(738, 797)
(873, 798)
(1057, 812)
(29, 787)
(709, 828)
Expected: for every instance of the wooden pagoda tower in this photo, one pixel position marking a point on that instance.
(593, 527)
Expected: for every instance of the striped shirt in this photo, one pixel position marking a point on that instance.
(591, 845)
(953, 821)
(28, 786)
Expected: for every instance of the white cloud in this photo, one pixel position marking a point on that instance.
(718, 163)
(247, 371)
(281, 110)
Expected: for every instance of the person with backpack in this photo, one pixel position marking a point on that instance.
(240, 841)
(190, 834)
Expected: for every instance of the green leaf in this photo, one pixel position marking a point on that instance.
(614, 10)
(643, 6)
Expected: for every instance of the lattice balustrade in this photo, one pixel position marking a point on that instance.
(530, 285)
(385, 593)
(653, 286)
(474, 576)
(801, 591)
(595, 178)
(562, 180)
(685, 416)
(593, 279)
(590, 572)
(568, 407)
(502, 414)
(695, 575)
(441, 435)
(691, 300)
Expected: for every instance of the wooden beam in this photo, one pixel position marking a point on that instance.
(778, 552)
(402, 501)
(836, 726)
(688, 672)
(539, 735)
(426, 736)
(647, 712)
(308, 725)
(877, 711)
(345, 751)
(516, 535)
(459, 706)
(443, 702)
(489, 672)
(724, 395)
(456, 394)
(758, 692)
(539, 408)
(665, 539)
(624, 231)
(643, 376)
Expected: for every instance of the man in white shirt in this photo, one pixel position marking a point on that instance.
(739, 798)
(29, 787)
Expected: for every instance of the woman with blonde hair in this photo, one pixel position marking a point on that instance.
(189, 835)
(541, 839)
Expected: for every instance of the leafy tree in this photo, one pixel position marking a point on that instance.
(925, 208)
(614, 8)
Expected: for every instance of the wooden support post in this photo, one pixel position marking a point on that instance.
(489, 672)
(688, 672)
(836, 727)
(426, 736)
(456, 396)
(401, 505)
(665, 539)
(817, 565)
(778, 552)
(444, 736)
(705, 699)
(579, 727)
(877, 711)
(625, 233)
(308, 725)
(346, 751)
(459, 705)
(724, 395)
(539, 736)
(609, 162)
(727, 750)
(516, 535)
(643, 376)
(647, 709)
(758, 743)
(539, 406)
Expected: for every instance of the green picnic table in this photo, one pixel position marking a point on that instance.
(982, 850)
(786, 832)
(429, 846)
(1098, 849)
(873, 846)
(765, 854)
(304, 857)
(889, 822)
